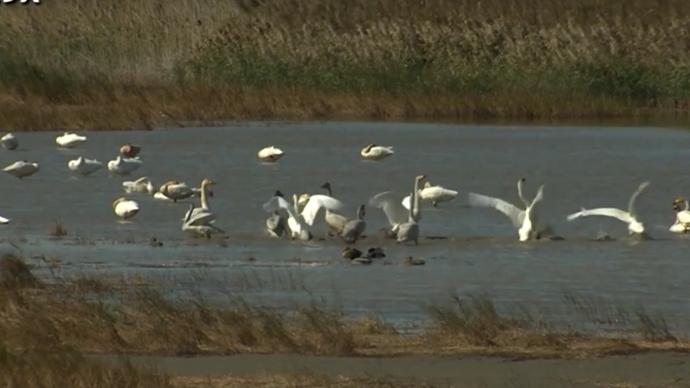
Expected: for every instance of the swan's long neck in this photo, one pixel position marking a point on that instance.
(520, 194)
(414, 208)
(204, 201)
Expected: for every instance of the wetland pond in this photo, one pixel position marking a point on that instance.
(467, 250)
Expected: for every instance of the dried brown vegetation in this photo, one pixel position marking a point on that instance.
(117, 316)
(129, 64)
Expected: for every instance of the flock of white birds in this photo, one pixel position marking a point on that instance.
(294, 217)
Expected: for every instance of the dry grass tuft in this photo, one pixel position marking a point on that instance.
(66, 368)
(58, 229)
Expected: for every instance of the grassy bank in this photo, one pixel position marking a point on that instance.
(128, 64)
(47, 325)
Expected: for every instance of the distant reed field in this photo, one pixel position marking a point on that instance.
(133, 64)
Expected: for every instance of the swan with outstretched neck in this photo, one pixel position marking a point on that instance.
(524, 220)
(630, 217)
(409, 231)
(199, 220)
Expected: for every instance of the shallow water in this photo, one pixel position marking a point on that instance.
(581, 166)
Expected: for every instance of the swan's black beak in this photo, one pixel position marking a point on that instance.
(676, 207)
(210, 193)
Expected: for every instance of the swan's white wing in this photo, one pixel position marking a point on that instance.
(276, 204)
(315, 203)
(604, 212)
(393, 210)
(407, 202)
(539, 197)
(633, 198)
(515, 214)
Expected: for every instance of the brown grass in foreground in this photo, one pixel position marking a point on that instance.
(99, 316)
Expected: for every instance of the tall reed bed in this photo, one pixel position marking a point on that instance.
(329, 58)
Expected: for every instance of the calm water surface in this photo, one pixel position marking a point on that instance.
(581, 167)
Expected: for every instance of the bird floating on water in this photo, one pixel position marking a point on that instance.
(84, 166)
(376, 152)
(141, 185)
(21, 169)
(9, 141)
(129, 150)
(124, 166)
(432, 194)
(682, 209)
(70, 140)
(270, 154)
(125, 208)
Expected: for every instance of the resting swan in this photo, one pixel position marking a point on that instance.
(376, 152)
(129, 150)
(176, 190)
(124, 166)
(4, 220)
(21, 169)
(141, 185)
(682, 209)
(433, 194)
(270, 154)
(299, 222)
(524, 220)
(69, 140)
(84, 166)
(125, 208)
(9, 141)
(629, 217)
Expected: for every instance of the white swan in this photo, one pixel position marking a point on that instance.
(199, 220)
(125, 208)
(9, 141)
(84, 166)
(524, 220)
(376, 152)
(141, 185)
(432, 194)
(629, 217)
(395, 212)
(409, 231)
(69, 140)
(4, 220)
(682, 209)
(176, 190)
(336, 222)
(21, 169)
(124, 166)
(270, 154)
(299, 222)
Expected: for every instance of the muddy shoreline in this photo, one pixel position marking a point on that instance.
(653, 368)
